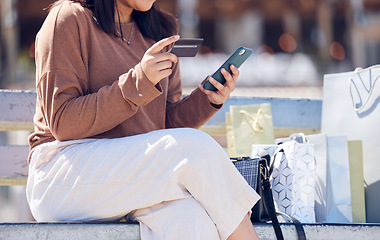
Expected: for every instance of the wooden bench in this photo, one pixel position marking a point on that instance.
(289, 115)
(17, 109)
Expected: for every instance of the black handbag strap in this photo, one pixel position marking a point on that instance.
(272, 211)
(268, 198)
(298, 225)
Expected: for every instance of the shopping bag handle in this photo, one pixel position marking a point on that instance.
(255, 125)
(294, 137)
(280, 149)
(369, 90)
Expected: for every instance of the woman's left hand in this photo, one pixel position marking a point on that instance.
(224, 91)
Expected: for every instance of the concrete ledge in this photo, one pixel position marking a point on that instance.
(115, 231)
(322, 231)
(65, 231)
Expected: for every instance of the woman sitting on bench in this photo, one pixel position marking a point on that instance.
(113, 138)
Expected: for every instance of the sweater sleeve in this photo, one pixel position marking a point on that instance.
(69, 110)
(192, 111)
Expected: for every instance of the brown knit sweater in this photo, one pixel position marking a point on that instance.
(90, 84)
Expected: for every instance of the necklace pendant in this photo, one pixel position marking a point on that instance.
(122, 37)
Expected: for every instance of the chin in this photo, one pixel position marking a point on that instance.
(146, 5)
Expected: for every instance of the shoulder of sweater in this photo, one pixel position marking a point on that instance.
(61, 33)
(65, 20)
(69, 13)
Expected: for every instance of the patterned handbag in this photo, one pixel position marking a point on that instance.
(256, 173)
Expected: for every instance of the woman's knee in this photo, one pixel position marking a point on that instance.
(195, 139)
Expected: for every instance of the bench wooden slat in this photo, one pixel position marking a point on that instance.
(287, 113)
(17, 109)
(289, 116)
(19, 181)
(14, 165)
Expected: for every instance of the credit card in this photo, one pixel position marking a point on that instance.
(186, 47)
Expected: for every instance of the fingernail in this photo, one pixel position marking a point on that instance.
(176, 37)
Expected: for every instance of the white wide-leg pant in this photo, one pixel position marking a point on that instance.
(178, 183)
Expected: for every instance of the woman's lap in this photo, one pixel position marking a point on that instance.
(104, 179)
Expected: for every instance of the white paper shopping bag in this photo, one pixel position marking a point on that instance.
(292, 177)
(351, 108)
(332, 176)
(300, 157)
(320, 152)
(339, 208)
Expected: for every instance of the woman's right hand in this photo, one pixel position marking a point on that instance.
(156, 64)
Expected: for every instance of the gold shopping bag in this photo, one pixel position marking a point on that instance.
(355, 154)
(248, 124)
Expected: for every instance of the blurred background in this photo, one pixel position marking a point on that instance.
(295, 43)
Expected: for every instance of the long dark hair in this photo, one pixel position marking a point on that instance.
(154, 23)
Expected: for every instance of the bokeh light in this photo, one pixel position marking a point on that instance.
(287, 43)
(337, 51)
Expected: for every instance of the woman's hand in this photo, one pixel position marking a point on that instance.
(156, 64)
(224, 91)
